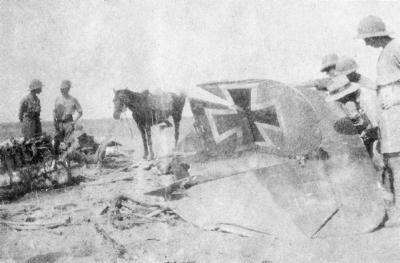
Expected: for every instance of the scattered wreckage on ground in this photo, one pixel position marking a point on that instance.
(27, 165)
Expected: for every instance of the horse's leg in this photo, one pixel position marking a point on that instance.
(149, 141)
(177, 115)
(176, 125)
(143, 133)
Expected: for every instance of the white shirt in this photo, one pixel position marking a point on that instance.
(388, 66)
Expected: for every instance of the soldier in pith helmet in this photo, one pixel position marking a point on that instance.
(65, 108)
(29, 111)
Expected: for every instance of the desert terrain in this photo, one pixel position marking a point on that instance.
(107, 218)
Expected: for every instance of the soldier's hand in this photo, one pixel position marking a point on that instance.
(388, 102)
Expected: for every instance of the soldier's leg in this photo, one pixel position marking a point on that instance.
(394, 212)
(68, 130)
(59, 137)
(38, 127)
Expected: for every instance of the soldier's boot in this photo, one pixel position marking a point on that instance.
(394, 211)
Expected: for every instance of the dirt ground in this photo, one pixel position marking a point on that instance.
(82, 239)
(84, 229)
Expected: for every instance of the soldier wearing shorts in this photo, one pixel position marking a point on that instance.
(373, 31)
(65, 108)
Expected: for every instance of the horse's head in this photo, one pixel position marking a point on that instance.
(119, 103)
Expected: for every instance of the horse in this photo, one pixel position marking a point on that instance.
(144, 113)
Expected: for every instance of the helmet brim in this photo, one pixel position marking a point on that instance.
(326, 67)
(36, 88)
(377, 34)
(342, 94)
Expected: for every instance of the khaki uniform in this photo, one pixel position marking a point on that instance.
(29, 116)
(368, 100)
(388, 81)
(63, 118)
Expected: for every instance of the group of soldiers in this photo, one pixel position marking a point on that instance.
(65, 108)
(378, 122)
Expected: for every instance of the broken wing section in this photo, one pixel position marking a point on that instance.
(329, 189)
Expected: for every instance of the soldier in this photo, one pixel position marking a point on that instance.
(65, 107)
(373, 31)
(29, 111)
(329, 65)
(357, 97)
(329, 68)
(346, 68)
(348, 96)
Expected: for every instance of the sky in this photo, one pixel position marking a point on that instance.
(171, 45)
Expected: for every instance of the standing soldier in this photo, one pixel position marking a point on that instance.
(373, 31)
(29, 111)
(65, 108)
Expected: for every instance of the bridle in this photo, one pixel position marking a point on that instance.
(122, 102)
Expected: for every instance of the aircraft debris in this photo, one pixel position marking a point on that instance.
(127, 213)
(32, 165)
(121, 250)
(280, 161)
(34, 225)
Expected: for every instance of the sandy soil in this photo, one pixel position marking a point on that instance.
(157, 241)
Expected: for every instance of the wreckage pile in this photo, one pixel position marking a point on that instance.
(29, 165)
(32, 165)
(16, 153)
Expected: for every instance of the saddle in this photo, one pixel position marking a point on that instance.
(161, 105)
(160, 101)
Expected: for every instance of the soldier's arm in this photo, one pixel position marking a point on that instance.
(22, 109)
(79, 110)
(396, 56)
(393, 100)
(55, 116)
(319, 84)
(54, 111)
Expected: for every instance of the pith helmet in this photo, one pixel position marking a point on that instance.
(35, 84)
(339, 88)
(346, 65)
(329, 61)
(372, 26)
(65, 84)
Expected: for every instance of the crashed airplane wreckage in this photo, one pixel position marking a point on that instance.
(268, 158)
(28, 165)
(32, 165)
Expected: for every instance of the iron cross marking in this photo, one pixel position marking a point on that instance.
(266, 123)
(263, 118)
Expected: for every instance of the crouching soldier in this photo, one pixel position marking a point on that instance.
(65, 108)
(29, 111)
(356, 95)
